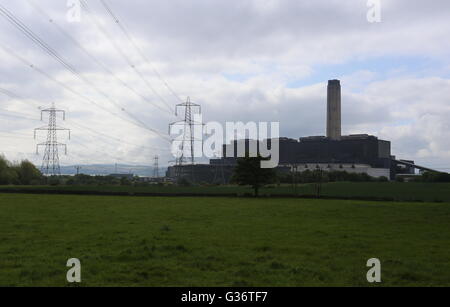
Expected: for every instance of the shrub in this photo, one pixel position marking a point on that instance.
(28, 173)
(184, 182)
(24, 173)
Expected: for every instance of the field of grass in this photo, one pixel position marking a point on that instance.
(176, 241)
(411, 191)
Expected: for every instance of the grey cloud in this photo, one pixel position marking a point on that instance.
(195, 43)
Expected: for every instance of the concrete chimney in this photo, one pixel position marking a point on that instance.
(334, 110)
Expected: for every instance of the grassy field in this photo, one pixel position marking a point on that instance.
(410, 191)
(430, 192)
(177, 241)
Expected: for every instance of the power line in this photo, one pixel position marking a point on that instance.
(9, 94)
(33, 37)
(92, 131)
(15, 96)
(89, 130)
(20, 116)
(14, 136)
(89, 159)
(139, 50)
(93, 58)
(87, 99)
(15, 133)
(123, 55)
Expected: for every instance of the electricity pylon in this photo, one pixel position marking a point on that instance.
(188, 136)
(156, 167)
(78, 169)
(50, 162)
(219, 169)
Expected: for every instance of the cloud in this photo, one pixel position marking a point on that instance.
(246, 60)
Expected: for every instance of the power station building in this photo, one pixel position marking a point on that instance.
(359, 153)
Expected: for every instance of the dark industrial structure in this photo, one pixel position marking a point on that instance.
(359, 153)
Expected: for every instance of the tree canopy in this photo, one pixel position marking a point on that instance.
(23, 173)
(249, 172)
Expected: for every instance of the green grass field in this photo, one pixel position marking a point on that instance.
(412, 191)
(176, 241)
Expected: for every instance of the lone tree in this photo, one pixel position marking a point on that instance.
(249, 172)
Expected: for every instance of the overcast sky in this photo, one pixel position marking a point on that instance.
(242, 60)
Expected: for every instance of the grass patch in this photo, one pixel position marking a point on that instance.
(395, 191)
(170, 241)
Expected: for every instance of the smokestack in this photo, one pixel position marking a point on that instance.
(334, 110)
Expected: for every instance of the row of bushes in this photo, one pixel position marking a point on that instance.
(23, 173)
(82, 179)
(433, 177)
(309, 176)
(97, 180)
(88, 180)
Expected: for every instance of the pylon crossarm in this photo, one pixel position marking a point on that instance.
(50, 144)
(52, 110)
(46, 128)
(37, 147)
(39, 129)
(176, 123)
(63, 129)
(42, 128)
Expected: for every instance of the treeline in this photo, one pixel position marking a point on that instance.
(23, 173)
(432, 177)
(82, 179)
(309, 176)
(97, 180)
(313, 176)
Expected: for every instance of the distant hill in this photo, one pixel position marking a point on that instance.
(106, 169)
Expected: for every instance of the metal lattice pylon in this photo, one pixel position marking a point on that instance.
(219, 169)
(50, 162)
(156, 167)
(188, 136)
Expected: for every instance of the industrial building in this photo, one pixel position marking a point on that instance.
(359, 153)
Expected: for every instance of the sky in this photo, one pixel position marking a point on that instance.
(241, 60)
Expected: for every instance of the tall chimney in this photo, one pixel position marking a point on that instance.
(334, 110)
